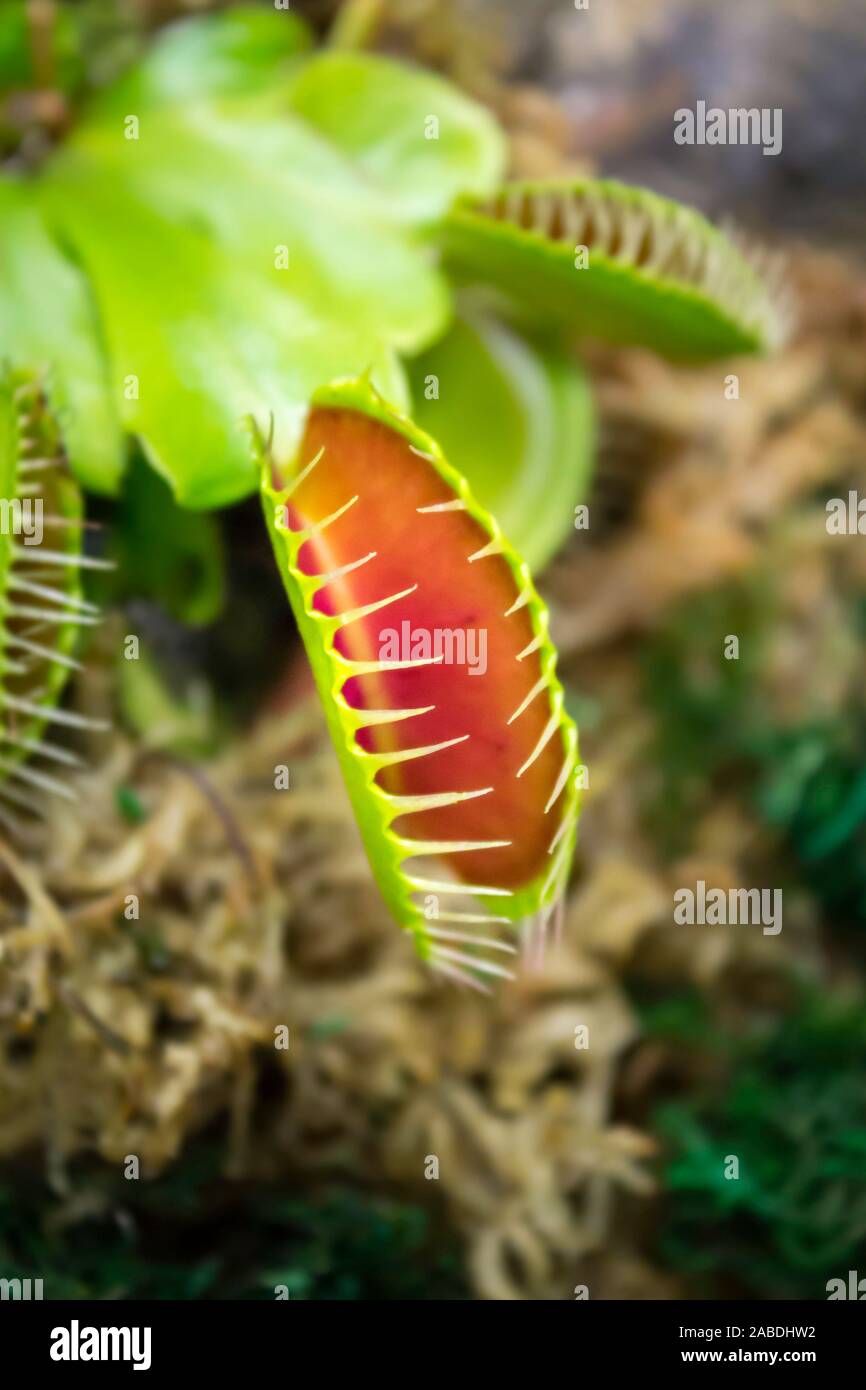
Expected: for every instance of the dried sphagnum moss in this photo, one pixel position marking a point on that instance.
(256, 910)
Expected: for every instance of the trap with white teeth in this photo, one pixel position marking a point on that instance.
(42, 608)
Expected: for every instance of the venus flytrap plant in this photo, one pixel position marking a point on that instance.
(236, 223)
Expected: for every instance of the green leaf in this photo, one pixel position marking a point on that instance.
(278, 198)
(256, 260)
(198, 343)
(619, 263)
(515, 418)
(48, 323)
(417, 137)
(224, 54)
(236, 253)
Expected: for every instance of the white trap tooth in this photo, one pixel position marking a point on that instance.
(69, 523)
(403, 755)
(527, 701)
(366, 718)
(304, 473)
(22, 799)
(38, 555)
(461, 958)
(455, 505)
(59, 596)
(366, 668)
(43, 653)
(559, 786)
(492, 547)
(62, 618)
(329, 576)
(558, 870)
(42, 781)
(602, 225)
(54, 716)
(469, 890)
(520, 602)
(633, 228)
(353, 614)
(487, 942)
(547, 734)
(422, 849)
(404, 805)
(574, 220)
(561, 831)
(315, 528)
(473, 918)
(36, 465)
(51, 751)
(459, 976)
(530, 647)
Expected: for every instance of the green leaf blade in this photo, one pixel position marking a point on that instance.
(239, 51)
(277, 198)
(417, 138)
(221, 346)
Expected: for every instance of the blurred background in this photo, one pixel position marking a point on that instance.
(558, 1166)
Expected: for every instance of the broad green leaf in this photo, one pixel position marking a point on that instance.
(238, 254)
(417, 137)
(619, 263)
(198, 343)
(277, 197)
(48, 324)
(225, 54)
(516, 418)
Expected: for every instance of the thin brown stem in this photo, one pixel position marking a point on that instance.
(41, 20)
(356, 24)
